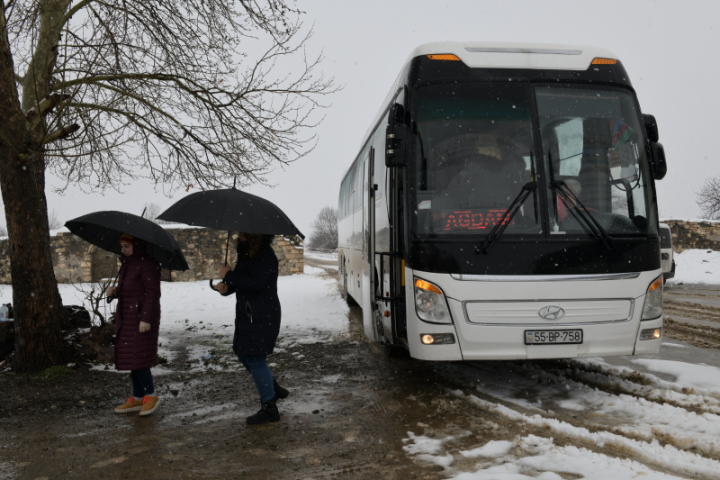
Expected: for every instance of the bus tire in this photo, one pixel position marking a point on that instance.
(393, 351)
(345, 284)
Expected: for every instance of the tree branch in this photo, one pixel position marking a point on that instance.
(36, 113)
(61, 133)
(76, 9)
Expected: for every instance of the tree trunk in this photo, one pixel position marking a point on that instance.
(36, 300)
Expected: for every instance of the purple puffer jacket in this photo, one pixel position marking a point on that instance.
(138, 300)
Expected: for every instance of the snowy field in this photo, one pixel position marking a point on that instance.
(697, 267)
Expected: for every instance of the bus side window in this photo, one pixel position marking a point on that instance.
(379, 145)
(345, 190)
(358, 182)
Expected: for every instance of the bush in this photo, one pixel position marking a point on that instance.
(324, 234)
(708, 199)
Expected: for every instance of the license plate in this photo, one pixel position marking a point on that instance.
(553, 337)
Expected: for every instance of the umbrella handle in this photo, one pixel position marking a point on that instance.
(110, 299)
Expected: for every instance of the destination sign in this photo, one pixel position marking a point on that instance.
(454, 220)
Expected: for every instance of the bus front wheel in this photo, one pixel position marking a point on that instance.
(386, 346)
(345, 283)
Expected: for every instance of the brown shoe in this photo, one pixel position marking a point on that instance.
(130, 405)
(149, 404)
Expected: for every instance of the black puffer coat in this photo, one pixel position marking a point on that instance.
(257, 312)
(138, 301)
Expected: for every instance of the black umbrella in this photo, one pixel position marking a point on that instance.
(103, 229)
(233, 210)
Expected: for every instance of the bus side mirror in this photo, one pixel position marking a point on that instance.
(651, 128)
(396, 135)
(659, 165)
(395, 145)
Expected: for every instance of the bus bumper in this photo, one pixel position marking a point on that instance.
(475, 341)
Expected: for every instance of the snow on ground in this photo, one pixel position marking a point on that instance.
(197, 321)
(536, 458)
(671, 425)
(527, 458)
(533, 457)
(629, 413)
(666, 456)
(702, 376)
(321, 255)
(312, 309)
(697, 266)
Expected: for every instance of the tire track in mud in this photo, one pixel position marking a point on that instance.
(622, 441)
(698, 310)
(700, 336)
(697, 405)
(662, 458)
(638, 385)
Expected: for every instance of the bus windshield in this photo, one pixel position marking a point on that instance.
(473, 144)
(475, 150)
(593, 142)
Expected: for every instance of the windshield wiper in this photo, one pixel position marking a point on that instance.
(578, 209)
(507, 217)
(580, 212)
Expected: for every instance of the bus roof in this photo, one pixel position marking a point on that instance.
(516, 55)
(538, 56)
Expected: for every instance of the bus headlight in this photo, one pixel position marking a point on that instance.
(430, 303)
(654, 300)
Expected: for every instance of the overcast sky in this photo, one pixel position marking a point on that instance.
(667, 47)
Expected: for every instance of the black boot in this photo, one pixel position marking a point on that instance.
(268, 413)
(280, 392)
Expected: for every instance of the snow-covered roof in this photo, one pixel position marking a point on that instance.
(517, 55)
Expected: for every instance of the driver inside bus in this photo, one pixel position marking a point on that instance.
(576, 188)
(489, 173)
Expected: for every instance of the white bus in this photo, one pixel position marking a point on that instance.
(502, 206)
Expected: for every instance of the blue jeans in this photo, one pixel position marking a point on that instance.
(142, 382)
(258, 368)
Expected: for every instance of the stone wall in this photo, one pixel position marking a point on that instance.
(688, 235)
(204, 251)
(75, 260)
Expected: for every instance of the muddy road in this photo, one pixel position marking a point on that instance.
(355, 413)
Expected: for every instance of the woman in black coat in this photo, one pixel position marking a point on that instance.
(257, 317)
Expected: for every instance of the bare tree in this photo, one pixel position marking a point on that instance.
(152, 210)
(100, 92)
(3, 231)
(708, 199)
(324, 234)
(95, 299)
(54, 223)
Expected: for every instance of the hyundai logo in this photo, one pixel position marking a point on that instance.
(551, 312)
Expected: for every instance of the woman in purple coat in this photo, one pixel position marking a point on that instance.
(137, 323)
